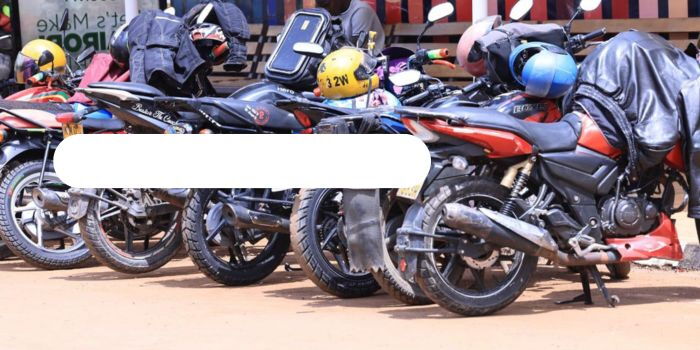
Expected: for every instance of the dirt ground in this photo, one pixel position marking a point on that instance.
(177, 308)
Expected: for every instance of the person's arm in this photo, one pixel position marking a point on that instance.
(362, 21)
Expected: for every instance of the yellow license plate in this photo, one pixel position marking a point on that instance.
(409, 192)
(71, 129)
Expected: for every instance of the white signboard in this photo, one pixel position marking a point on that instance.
(91, 23)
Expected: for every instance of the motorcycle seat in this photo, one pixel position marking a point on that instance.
(247, 114)
(548, 137)
(112, 124)
(134, 88)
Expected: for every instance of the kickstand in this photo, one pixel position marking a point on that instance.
(289, 268)
(612, 300)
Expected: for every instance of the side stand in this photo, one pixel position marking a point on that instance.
(586, 297)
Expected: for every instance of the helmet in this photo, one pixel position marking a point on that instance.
(211, 42)
(119, 45)
(469, 58)
(544, 70)
(346, 72)
(27, 62)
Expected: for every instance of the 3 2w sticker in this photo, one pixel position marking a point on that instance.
(338, 81)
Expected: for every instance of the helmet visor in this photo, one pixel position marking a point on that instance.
(25, 68)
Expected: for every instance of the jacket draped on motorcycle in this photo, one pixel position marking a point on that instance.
(631, 85)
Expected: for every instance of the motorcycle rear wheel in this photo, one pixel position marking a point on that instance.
(105, 226)
(316, 237)
(480, 293)
(25, 229)
(224, 254)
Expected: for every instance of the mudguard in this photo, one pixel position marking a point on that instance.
(14, 148)
(78, 202)
(406, 243)
(364, 229)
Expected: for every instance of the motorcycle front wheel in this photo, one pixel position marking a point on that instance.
(136, 240)
(491, 281)
(226, 254)
(43, 238)
(320, 245)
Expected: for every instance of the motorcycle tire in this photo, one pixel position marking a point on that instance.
(335, 279)
(471, 302)
(620, 271)
(16, 178)
(204, 256)
(112, 256)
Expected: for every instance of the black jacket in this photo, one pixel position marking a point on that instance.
(162, 54)
(631, 85)
(690, 106)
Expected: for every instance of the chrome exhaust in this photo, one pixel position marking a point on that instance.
(244, 218)
(509, 232)
(50, 200)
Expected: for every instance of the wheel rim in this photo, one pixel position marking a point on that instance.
(46, 230)
(482, 276)
(237, 248)
(326, 227)
(129, 235)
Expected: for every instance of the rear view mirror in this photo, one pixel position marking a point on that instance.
(45, 58)
(309, 49)
(589, 5)
(64, 21)
(521, 9)
(6, 43)
(441, 11)
(85, 55)
(405, 78)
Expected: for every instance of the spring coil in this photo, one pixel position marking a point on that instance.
(509, 205)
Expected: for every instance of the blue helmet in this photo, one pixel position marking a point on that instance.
(544, 70)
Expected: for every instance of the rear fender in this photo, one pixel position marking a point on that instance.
(363, 229)
(407, 243)
(14, 149)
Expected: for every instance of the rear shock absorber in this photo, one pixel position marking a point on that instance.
(516, 180)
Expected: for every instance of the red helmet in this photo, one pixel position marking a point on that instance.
(469, 59)
(211, 42)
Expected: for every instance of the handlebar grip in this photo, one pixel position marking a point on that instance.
(596, 34)
(445, 63)
(416, 98)
(438, 54)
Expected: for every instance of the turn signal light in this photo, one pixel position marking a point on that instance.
(66, 118)
(3, 135)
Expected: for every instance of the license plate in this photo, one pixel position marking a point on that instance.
(71, 129)
(409, 192)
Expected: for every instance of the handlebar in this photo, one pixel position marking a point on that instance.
(594, 35)
(578, 42)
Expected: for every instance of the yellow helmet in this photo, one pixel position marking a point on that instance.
(346, 73)
(27, 62)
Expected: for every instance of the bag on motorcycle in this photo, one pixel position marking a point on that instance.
(290, 68)
(234, 25)
(497, 45)
(631, 86)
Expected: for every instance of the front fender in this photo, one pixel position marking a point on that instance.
(364, 229)
(78, 201)
(14, 148)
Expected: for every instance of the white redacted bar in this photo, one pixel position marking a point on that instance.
(242, 161)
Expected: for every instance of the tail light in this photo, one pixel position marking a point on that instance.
(66, 118)
(3, 135)
(420, 131)
(302, 118)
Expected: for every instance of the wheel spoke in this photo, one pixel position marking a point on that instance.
(215, 231)
(478, 278)
(239, 254)
(39, 234)
(340, 258)
(127, 237)
(329, 237)
(146, 241)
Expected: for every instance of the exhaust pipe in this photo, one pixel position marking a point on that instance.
(50, 200)
(174, 196)
(241, 217)
(509, 232)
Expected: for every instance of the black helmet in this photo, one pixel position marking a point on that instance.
(119, 45)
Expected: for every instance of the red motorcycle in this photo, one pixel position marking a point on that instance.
(556, 191)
